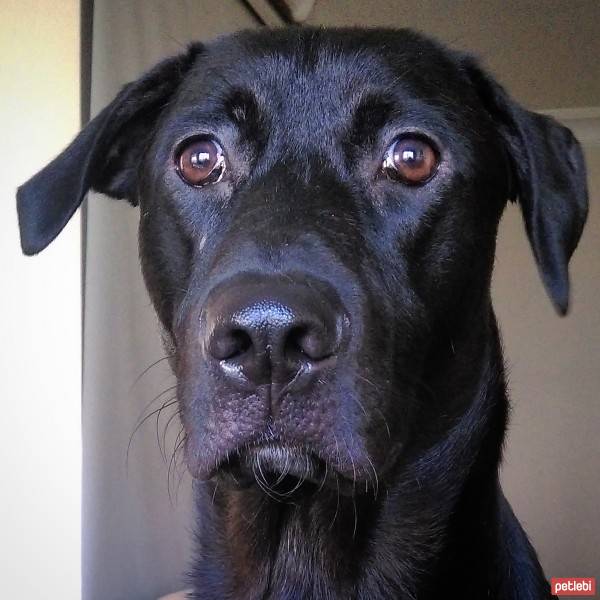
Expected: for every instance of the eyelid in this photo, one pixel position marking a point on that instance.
(395, 134)
(190, 138)
(200, 130)
(417, 134)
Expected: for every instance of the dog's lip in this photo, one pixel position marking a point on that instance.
(284, 458)
(274, 458)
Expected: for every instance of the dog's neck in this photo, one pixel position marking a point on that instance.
(327, 545)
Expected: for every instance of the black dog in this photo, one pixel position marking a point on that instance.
(319, 211)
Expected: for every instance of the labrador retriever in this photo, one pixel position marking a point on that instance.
(318, 219)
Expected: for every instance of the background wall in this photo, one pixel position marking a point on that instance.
(136, 542)
(40, 308)
(546, 52)
(136, 539)
(552, 455)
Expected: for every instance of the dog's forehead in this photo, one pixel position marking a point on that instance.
(313, 79)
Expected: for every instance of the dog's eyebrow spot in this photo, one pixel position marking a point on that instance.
(370, 115)
(242, 108)
(241, 105)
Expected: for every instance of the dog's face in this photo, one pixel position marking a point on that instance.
(336, 211)
(318, 222)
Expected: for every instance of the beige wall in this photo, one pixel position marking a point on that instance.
(137, 542)
(40, 308)
(546, 52)
(553, 448)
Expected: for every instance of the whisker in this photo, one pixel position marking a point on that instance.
(215, 492)
(166, 391)
(300, 481)
(148, 368)
(355, 517)
(169, 402)
(371, 383)
(176, 413)
(337, 506)
(262, 483)
(285, 470)
(383, 418)
(324, 477)
(353, 468)
(376, 484)
(179, 442)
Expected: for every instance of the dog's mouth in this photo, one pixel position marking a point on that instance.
(279, 469)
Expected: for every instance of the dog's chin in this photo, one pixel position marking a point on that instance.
(280, 470)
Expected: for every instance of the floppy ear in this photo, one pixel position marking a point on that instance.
(549, 181)
(103, 157)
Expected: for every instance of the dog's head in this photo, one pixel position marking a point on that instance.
(318, 215)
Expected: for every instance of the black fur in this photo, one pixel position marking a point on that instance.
(409, 424)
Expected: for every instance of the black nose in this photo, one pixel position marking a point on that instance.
(264, 330)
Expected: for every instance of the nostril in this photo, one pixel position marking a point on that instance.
(293, 346)
(309, 342)
(229, 344)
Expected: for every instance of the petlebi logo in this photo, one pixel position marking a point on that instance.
(573, 586)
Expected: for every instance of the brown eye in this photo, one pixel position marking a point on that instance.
(411, 160)
(200, 161)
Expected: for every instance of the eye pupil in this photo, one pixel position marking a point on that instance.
(411, 160)
(200, 161)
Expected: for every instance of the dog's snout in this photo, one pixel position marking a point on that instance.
(266, 331)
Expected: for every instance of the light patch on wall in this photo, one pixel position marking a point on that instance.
(40, 387)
